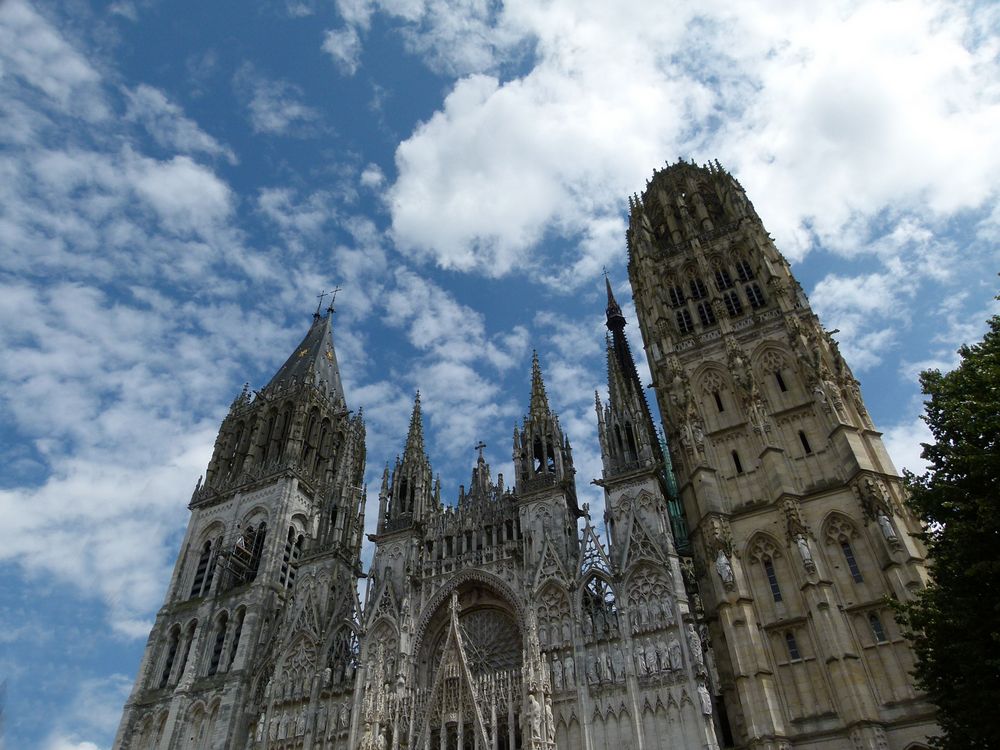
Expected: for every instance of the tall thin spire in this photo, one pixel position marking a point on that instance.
(539, 399)
(415, 436)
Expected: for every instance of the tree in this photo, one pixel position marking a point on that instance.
(955, 622)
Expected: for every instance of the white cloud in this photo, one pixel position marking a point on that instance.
(31, 49)
(830, 145)
(903, 442)
(344, 46)
(372, 177)
(275, 106)
(166, 123)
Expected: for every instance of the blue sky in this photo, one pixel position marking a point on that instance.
(179, 180)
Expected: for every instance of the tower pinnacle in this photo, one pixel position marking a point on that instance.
(539, 399)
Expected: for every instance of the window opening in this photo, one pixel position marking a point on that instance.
(168, 665)
(805, 442)
(772, 579)
(754, 295)
(743, 270)
(236, 637)
(718, 401)
(698, 289)
(793, 647)
(733, 305)
(722, 279)
(685, 324)
(220, 639)
(852, 563)
(676, 295)
(201, 570)
(780, 381)
(877, 630)
(706, 314)
(737, 463)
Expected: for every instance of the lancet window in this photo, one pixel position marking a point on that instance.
(685, 324)
(173, 643)
(237, 632)
(877, 630)
(772, 578)
(290, 557)
(754, 295)
(220, 639)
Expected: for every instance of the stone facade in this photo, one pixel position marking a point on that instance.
(798, 526)
(502, 620)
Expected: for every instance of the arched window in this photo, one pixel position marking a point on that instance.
(706, 314)
(793, 646)
(255, 549)
(852, 563)
(676, 295)
(780, 381)
(733, 305)
(754, 295)
(173, 642)
(220, 640)
(198, 584)
(268, 438)
(633, 451)
(723, 280)
(737, 464)
(877, 630)
(698, 289)
(240, 616)
(293, 548)
(772, 579)
(188, 642)
(309, 437)
(718, 401)
(743, 270)
(685, 324)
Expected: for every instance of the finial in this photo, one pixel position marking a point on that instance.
(333, 298)
(319, 304)
(479, 447)
(539, 399)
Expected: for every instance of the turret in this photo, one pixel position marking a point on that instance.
(409, 493)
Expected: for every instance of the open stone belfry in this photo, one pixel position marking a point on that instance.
(739, 600)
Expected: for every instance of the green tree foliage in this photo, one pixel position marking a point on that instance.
(955, 621)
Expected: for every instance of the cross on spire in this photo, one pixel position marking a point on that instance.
(479, 447)
(320, 296)
(333, 297)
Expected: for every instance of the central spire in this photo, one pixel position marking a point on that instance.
(313, 362)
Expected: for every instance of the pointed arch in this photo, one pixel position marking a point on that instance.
(554, 616)
(598, 601)
(649, 599)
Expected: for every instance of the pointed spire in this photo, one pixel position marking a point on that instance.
(539, 400)
(314, 361)
(613, 310)
(415, 437)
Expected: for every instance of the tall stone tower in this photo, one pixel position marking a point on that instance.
(796, 513)
(232, 655)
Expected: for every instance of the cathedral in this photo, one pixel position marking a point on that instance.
(738, 598)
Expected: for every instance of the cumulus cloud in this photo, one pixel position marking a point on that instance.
(275, 107)
(828, 144)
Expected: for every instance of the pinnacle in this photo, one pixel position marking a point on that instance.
(415, 436)
(539, 399)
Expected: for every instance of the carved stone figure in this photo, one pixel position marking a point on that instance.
(888, 530)
(694, 643)
(805, 552)
(534, 717)
(550, 723)
(725, 569)
(569, 672)
(705, 699)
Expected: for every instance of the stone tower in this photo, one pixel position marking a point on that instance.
(796, 513)
(232, 654)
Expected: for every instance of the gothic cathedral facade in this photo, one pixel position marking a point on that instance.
(740, 604)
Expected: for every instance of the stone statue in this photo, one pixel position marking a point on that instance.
(327, 676)
(261, 723)
(569, 672)
(557, 674)
(694, 643)
(725, 569)
(705, 698)
(550, 723)
(640, 657)
(300, 723)
(534, 718)
(674, 653)
(804, 552)
(888, 530)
